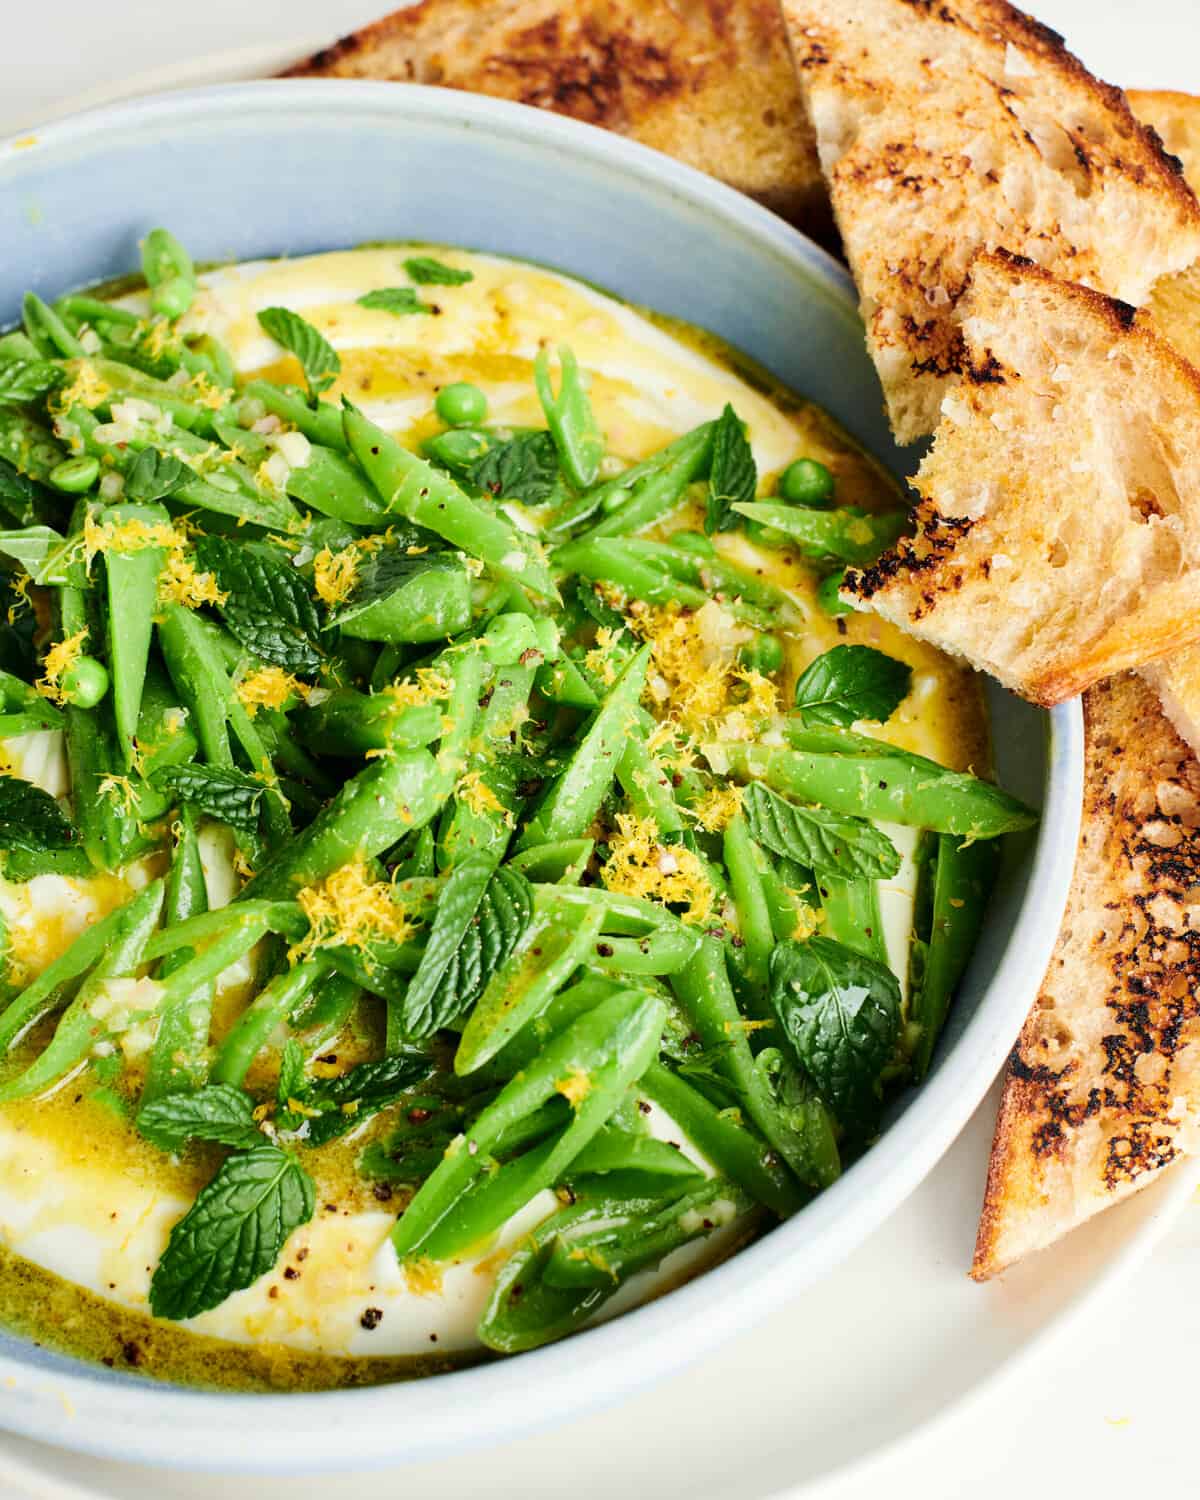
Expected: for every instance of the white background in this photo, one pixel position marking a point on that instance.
(1110, 1408)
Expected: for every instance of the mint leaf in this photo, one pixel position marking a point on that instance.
(216, 791)
(810, 1145)
(733, 477)
(154, 475)
(32, 547)
(426, 271)
(24, 380)
(233, 1233)
(479, 921)
(840, 1012)
(318, 358)
(30, 819)
(18, 493)
(525, 468)
(849, 683)
(269, 607)
(344, 1102)
(397, 300)
(833, 843)
(218, 1112)
(292, 1079)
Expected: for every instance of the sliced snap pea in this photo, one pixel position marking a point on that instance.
(556, 942)
(591, 1064)
(413, 488)
(845, 535)
(962, 878)
(80, 1028)
(132, 583)
(567, 810)
(570, 418)
(892, 787)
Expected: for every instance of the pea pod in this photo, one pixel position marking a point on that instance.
(132, 583)
(891, 787)
(845, 535)
(703, 989)
(556, 942)
(645, 576)
(638, 937)
(574, 799)
(413, 488)
(176, 1061)
(591, 1064)
(569, 416)
(348, 722)
(273, 1005)
(962, 878)
(169, 274)
(389, 798)
(320, 422)
(736, 1150)
(742, 860)
(648, 490)
(529, 1304)
(853, 916)
(46, 330)
(82, 1025)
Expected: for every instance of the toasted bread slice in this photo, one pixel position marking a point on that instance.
(707, 81)
(1103, 1087)
(1176, 118)
(1058, 535)
(1174, 308)
(963, 126)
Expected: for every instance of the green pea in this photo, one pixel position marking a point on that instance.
(806, 482)
(85, 682)
(827, 594)
(461, 404)
(763, 654)
(74, 475)
(507, 639)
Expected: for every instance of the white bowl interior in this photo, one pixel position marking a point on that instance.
(261, 169)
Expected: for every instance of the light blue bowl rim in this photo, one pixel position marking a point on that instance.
(85, 1409)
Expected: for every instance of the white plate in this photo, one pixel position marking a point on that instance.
(891, 1345)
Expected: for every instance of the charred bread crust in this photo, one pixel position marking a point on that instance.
(1106, 1073)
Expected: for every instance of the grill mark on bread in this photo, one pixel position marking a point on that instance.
(950, 129)
(1091, 1106)
(710, 82)
(1072, 445)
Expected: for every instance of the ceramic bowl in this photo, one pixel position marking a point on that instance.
(252, 170)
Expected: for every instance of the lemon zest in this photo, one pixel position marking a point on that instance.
(350, 910)
(335, 575)
(60, 658)
(718, 808)
(473, 791)
(269, 687)
(430, 686)
(575, 1087)
(640, 865)
(87, 389)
